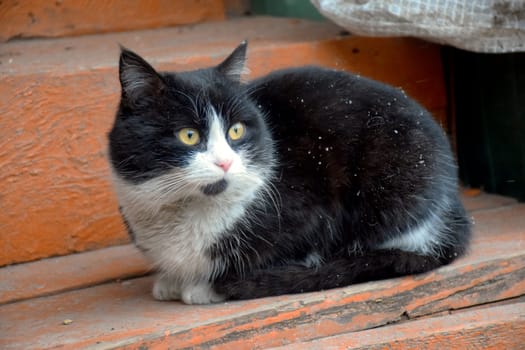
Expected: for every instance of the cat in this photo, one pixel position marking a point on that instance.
(302, 180)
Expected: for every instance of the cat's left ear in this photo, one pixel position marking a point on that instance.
(139, 81)
(234, 65)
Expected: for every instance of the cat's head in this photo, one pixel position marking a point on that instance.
(189, 134)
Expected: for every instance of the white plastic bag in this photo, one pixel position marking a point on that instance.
(475, 25)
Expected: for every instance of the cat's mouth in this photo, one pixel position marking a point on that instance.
(215, 188)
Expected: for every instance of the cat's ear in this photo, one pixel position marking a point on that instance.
(234, 65)
(139, 81)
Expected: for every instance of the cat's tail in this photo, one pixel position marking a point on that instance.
(375, 265)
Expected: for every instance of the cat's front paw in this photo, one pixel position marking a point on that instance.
(201, 293)
(166, 289)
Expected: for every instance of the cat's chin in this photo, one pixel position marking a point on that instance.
(215, 188)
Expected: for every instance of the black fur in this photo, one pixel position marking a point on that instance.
(338, 272)
(215, 188)
(356, 157)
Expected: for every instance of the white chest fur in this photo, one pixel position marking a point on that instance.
(177, 232)
(176, 235)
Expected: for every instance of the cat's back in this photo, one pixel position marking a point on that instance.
(314, 107)
(337, 99)
(302, 84)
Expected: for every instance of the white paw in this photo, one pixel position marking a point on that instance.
(166, 289)
(201, 293)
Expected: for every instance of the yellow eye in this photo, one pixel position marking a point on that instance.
(189, 136)
(236, 131)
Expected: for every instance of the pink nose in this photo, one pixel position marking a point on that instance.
(224, 164)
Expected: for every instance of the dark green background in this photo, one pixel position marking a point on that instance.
(286, 8)
(489, 94)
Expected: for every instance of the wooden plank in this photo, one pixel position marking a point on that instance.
(48, 276)
(124, 315)
(496, 328)
(57, 110)
(42, 18)
(475, 199)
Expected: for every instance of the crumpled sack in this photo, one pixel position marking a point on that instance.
(492, 26)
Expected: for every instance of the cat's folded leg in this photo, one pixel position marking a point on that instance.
(372, 265)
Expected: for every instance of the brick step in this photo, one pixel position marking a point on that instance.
(121, 314)
(58, 98)
(30, 19)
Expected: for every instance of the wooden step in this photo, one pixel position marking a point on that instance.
(121, 314)
(58, 98)
(30, 19)
(495, 328)
(54, 275)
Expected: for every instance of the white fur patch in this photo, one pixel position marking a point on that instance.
(201, 293)
(426, 238)
(166, 288)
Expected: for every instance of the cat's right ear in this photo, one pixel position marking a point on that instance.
(139, 81)
(234, 65)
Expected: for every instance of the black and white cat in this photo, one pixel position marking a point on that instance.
(302, 180)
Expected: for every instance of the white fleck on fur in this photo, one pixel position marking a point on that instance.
(175, 223)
